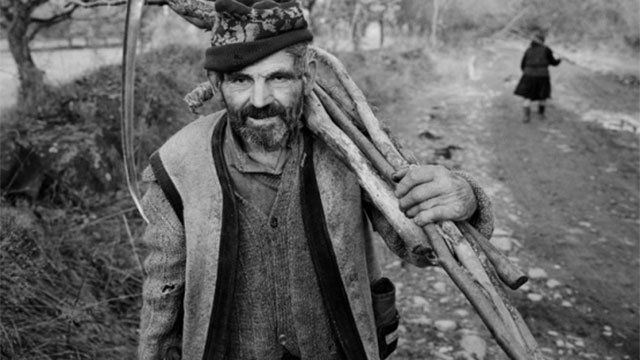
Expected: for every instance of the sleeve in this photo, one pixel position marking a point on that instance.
(482, 219)
(551, 59)
(163, 287)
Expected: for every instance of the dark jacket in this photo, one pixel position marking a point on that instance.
(537, 59)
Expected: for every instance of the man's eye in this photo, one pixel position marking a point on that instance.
(239, 81)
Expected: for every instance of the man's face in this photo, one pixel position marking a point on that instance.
(264, 101)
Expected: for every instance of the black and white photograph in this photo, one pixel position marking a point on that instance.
(319, 179)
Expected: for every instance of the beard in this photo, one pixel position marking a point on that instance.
(269, 135)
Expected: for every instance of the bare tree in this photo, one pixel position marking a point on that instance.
(20, 20)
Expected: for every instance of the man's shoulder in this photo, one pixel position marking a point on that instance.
(193, 134)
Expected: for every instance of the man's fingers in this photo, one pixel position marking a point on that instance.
(425, 205)
(431, 215)
(414, 176)
(418, 194)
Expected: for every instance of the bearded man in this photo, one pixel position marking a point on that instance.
(259, 243)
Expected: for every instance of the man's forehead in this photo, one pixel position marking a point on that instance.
(279, 61)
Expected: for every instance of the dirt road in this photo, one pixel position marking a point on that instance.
(566, 196)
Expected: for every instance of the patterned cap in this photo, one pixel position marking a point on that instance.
(249, 30)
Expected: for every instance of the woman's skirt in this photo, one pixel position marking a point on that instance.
(534, 87)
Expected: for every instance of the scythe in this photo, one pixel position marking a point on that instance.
(199, 13)
(132, 29)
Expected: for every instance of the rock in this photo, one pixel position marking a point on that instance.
(419, 301)
(579, 343)
(553, 333)
(553, 283)
(537, 273)
(502, 243)
(421, 320)
(461, 312)
(440, 287)
(445, 325)
(560, 343)
(534, 297)
(474, 345)
(526, 287)
(566, 303)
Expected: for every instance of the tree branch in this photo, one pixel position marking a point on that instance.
(71, 6)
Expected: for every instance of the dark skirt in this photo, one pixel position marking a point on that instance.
(534, 87)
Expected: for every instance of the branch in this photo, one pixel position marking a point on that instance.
(98, 3)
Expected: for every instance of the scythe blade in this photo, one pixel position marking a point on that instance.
(132, 30)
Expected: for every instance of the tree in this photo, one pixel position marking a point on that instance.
(24, 19)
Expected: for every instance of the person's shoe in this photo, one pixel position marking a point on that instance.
(527, 115)
(541, 112)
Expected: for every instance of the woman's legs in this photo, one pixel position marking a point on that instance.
(526, 106)
(541, 108)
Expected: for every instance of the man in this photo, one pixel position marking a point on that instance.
(535, 83)
(258, 239)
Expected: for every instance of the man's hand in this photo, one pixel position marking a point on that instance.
(430, 193)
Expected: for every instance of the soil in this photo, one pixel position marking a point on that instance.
(566, 196)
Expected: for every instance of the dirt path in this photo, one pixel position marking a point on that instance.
(566, 199)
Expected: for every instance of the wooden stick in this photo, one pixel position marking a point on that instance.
(345, 124)
(378, 136)
(413, 239)
(381, 140)
(470, 260)
(319, 122)
(509, 273)
(477, 296)
(448, 231)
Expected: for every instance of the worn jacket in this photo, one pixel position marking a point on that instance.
(182, 291)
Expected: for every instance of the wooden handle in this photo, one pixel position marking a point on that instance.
(509, 273)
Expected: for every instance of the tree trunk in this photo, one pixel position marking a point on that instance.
(434, 23)
(31, 78)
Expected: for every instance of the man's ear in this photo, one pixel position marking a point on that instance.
(310, 76)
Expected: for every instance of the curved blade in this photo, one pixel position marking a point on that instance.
(132, 30)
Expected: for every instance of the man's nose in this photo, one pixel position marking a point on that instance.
(261, 95)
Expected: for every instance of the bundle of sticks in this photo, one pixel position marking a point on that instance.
(337, 112)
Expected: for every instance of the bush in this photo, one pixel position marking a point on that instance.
(73, 135)
(70, 283)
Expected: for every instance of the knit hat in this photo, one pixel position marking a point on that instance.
(250, 30)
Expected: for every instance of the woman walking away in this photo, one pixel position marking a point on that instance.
(535, 83)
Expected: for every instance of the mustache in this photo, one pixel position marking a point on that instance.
(267, 111)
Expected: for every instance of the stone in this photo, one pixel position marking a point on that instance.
(553, 333)
(537, 273)
(502, 243)
(579, 343)
(534, 297)
(421, 320)
(560, 343)
(440, 287)
(445, 325)
(461, 313)
(566, 303)
(419, 301)
(553, 283)
(474, 345)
